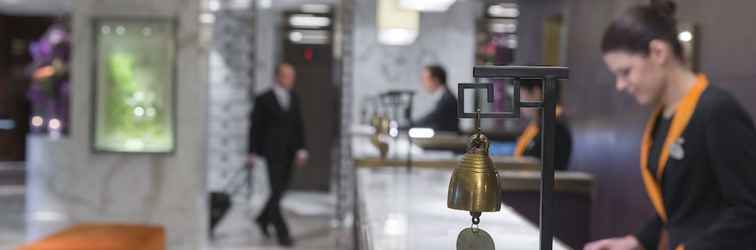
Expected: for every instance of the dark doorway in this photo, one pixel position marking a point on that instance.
(16, 34)
(307, 44)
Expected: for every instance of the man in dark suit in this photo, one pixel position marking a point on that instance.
(443, 117)
(277, 134)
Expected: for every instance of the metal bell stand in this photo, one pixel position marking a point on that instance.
(550, 77)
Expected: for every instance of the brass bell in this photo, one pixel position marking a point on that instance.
(381, 145)
(474, 185)
(381, 125)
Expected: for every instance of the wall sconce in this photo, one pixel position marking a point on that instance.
(397, 26)
(427, 5)
(688, 36)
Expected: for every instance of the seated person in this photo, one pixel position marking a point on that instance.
(529, 142)
(443, 117)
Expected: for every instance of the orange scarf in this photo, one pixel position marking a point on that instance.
(683, 113)
(528, 134)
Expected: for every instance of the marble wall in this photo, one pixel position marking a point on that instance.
(36, 7)
(446, 38)
(344, 176)
(267, 47)
(231, 62)
(69, 184)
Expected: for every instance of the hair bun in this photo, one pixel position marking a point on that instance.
(664, 8)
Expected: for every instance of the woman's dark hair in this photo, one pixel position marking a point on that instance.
(634, 30)
(532, 84)
(437, 72)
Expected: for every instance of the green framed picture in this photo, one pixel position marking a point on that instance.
(134, 73)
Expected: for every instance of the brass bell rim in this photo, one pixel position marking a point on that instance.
(482, 211)
(479, 171)
(477, 160)
(474, 158)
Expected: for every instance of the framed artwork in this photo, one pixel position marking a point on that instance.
(134, 78)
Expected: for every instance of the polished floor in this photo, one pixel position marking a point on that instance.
(310, 222)
(309, 214)
(11, 216)
(12, 205)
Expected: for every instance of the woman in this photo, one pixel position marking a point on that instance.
(529, 142)
(698, 155)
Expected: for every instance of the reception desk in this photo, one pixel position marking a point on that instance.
(573, 196)
(400, 209)
(500, 163)
(403, 207)
(402, 153)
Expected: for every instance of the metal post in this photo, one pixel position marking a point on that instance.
(409, 153)
(408, 116)
(548, 116)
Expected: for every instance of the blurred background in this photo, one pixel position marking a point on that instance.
(136, 112)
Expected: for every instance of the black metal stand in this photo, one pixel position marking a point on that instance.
(550, 77)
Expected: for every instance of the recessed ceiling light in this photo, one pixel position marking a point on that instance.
(316, 8)
(685, 36)
(207, 18)
(309, 21)
(509, 10)
(427, 5)
(213, 5)
(264, 4)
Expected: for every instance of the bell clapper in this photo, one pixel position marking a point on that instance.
(475, 221)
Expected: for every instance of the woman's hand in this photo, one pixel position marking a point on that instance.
(623, 243)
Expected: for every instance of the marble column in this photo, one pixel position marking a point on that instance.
(231, 73)
(68, 183)
(344, 174)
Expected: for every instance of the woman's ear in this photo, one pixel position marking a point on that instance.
(659, 51)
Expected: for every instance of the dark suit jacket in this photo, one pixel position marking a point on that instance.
(444, 115)
(276, 134)
(563, 146)
(708, 187)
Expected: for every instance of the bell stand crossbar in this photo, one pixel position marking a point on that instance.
(549, 77)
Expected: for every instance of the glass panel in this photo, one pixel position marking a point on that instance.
(134, 86)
